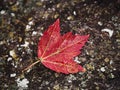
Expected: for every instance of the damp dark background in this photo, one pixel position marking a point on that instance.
(22, 23)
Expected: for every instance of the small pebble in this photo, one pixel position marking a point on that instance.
(26, 44)
(100, 23)
(106, 59)
(69, 18)
(12, 14)
(69, 81)
(102, 69)
(31, 23)
(56, 87)
(13, 54)
(111, 75)
(13, 75)
(109, 31)
(2, 12)
(28, 27)
(111, 61)
(74, 12)
(2, 42)
(90, 66)
(34, 33)
(22, 83)
(9, 59)
(77, 60)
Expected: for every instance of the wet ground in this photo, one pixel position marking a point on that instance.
(22, 22)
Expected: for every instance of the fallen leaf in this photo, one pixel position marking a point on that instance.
(57, 52)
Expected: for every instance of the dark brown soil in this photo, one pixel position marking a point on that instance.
(22, 23)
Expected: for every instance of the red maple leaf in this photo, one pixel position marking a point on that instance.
(56, 52)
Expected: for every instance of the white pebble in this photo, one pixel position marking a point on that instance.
(34, 33)
(12, 53)
(28, 27)
(69, 18)
(19, 49)
(26, 44)
(17, 3)
(111, 61)
(114, 69)
(2, 42)
(12, 14)
(69, 81)
(74, 12)
(13, 75)
(112, 76)
(109, 31)
(28, 70)
(30, 23)
(18, 45)
(100, 23)
(102, 69)
(13, 64)
(20, 59)
(2, 12)
(77, 60)
(22, 83)
(9, 59)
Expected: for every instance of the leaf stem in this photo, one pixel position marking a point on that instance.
(31, 65)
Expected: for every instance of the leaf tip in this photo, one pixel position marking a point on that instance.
(88, 35)
(84, 70)
(58, 21)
